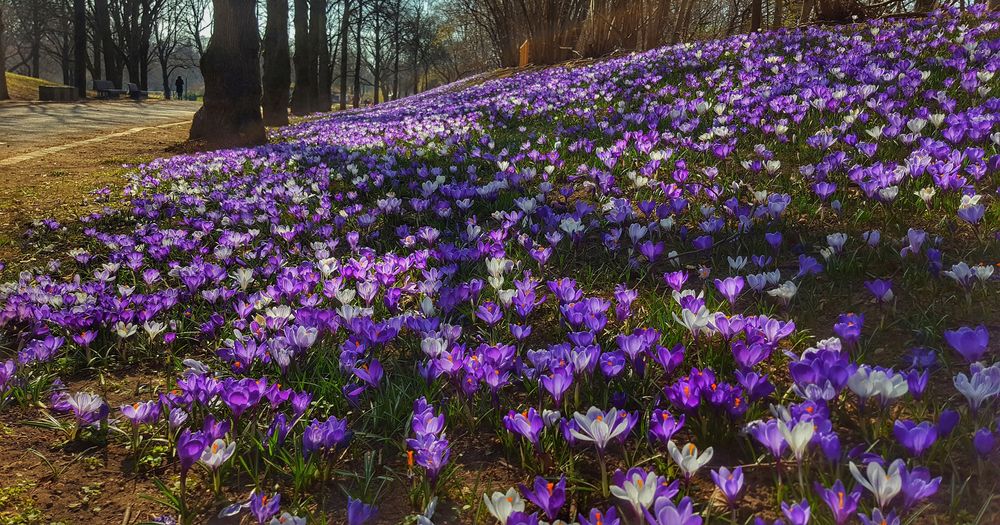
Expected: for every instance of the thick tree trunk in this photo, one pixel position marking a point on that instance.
(357, 57)
(321, 55)
(756, 15)
(345, 31)
(80, 47)
(277, 77)
(302, 95)
(4, 95)
(396, 51)
(675, 37)
(102, 33)
(231, 115)
(165, 76)
(654, 33)
(779, 14)
(807, 7)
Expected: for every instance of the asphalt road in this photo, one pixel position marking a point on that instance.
(27, 126)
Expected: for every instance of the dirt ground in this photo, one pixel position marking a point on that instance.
(58, 185)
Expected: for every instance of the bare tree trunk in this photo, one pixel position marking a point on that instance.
(320, 54)
(807, 8)
(345, 30)
(302, 94)
(395, 47)
(779, 14)
(357, 57)
(231, 115)
(4, 95)
(756, 15)
(654, 33)
(277, 74)
(924, 6)
(102, 30)
(679, 23)
(80, 47)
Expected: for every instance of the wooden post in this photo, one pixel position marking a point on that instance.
(524, 54)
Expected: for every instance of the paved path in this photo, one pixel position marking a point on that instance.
(31, 129)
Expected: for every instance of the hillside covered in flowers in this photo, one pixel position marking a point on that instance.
(732, 281)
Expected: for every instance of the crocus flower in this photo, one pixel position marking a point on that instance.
(971, 343)
(878, 518)
(359, 512)
(917, 486)
(636, 491)
(87, 408)
(881, 289)
(984, 442)
(730, 288)
(688, 458)
(915, 438)
(729, 482)
(842, 504)
(214, 455)
(597, 517)
(263, 506)
(528, 424)
(797, 514)
(798, 437)
(663, 426)
(599, 427)
(502, 505)
(983, 385)
(664, 512)
(190, 446)
(548, 496)
(882, 483)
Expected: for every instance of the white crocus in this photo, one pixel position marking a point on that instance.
(797, 437)
(502, 505)
(926, 194)
(639, 492)
(883, 484)
(598, 427)
(688, 458)
(785, 292)
(217, 453)
(983, 384)
(695, 322)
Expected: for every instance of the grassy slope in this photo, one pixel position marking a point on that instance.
(25, 88)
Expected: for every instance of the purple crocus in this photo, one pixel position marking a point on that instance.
(798, 513)
(915, 438)
(730, 288)
(557, 383)
(842, 504)
(528, 424)
(190, 445)
(490, 313)
(881, 289)
(87, 408)
(971, 343)
(984, 442)
(359, 512)
(597, 517)
(730, 483)
(550, 497)
(666, 513)
(263, 507)
(663, 425)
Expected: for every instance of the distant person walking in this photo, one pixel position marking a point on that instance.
(179, 86)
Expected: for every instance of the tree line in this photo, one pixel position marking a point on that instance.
(374, 49)
(264, 59)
